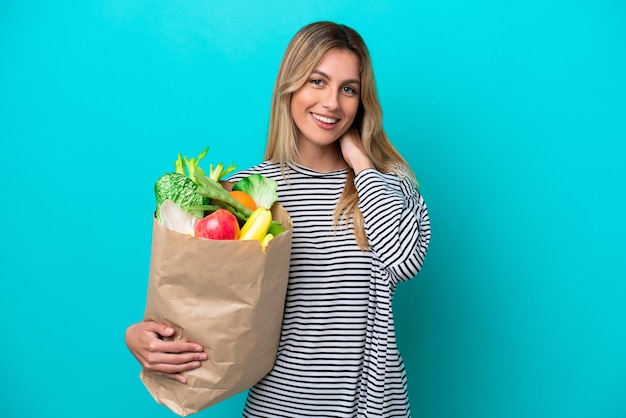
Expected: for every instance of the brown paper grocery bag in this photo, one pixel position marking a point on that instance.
(226, 295)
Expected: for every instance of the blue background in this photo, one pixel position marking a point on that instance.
(511, 113)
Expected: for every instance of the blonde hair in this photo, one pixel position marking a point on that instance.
(306, 49)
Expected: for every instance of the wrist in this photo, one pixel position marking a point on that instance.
(361, 164)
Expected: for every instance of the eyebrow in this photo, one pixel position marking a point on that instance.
(348, 81)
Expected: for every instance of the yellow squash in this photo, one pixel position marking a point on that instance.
(257, 225)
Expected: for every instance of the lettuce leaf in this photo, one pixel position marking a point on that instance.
(259, 188)
(181, 190)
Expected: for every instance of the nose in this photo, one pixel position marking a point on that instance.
(331, 99)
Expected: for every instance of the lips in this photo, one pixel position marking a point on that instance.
(324, 119)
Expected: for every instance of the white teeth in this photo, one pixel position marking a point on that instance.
(324, 118)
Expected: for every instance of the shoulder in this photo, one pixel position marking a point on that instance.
(266, 168)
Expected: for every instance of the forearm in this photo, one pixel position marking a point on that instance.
(396, 221)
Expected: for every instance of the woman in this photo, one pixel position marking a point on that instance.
(360, 227)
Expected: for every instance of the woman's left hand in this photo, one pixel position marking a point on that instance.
(353, 151)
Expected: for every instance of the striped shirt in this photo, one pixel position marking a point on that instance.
(337, 355)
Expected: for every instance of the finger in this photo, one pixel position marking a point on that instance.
(184, 346)
(170, 368)
(174, 359)
(159, 328)
(175, 347)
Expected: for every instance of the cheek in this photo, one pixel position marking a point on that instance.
(298, 111)
(300, 98)
(350, 110)
(298, 105)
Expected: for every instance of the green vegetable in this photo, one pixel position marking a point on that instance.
(260, 188)
(181, 187)
(276, 228)
(189, 166)
(219, 172)
(211, 189)
(181, 190)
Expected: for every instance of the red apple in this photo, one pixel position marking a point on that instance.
(220, 224)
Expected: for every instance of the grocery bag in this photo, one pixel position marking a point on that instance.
(227, 296)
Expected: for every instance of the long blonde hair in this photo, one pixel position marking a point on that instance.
(305, 51)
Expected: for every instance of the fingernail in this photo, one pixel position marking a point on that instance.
(203, 356)
(198, 348)
(169, 330)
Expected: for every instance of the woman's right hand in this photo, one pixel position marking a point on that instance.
(164, 358)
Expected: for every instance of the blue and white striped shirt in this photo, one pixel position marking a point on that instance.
(338, 355)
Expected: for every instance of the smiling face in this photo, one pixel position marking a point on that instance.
(325, 106)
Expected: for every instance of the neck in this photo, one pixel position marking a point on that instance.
(322, 159)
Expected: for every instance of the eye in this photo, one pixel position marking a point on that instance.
(316, 82)
(349, 90)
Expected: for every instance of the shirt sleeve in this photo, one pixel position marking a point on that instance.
(396, 220)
